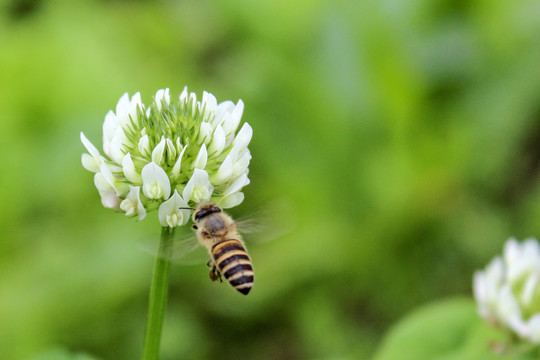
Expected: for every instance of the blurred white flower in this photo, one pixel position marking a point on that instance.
(177, 152)
(507, 291)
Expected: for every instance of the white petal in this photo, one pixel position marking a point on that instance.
(188, 190)
(122, 107)
(177, 166)
(144, 145)
(156, 184)
(223, 120)
(198, 187)
(89, 163)
(193, 101)
(192, 97)
(511, 251)
(231, 200)
(205, 132)
(225, 171)
(101, 183)
(234, 120)
(202, 158)
(132, 204)
(238, 110)
(479, 287)
(520, 327)
(129, 170)
(241, 141)
(241, 165)
(109, 127)
(140, 209)
(507, 305)
(117, 145)
(237, 185)
(159, 96)
(529, 289)
(117, 151)
(520, 259)
(531, 250)
(218, 142)
(209, 104)
(495, 271)
(135, 104)
(170, 151)
(243, 137)
(129, 207)
(170, 214)
(223, 110)
(158, 152)
(126, 111)
(109, 199)
(107, 174)
(121, 188)
(162, 96)
(534, 329)
(184, 95)
(90, 147)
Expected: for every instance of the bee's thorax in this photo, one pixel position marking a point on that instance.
(216, 227)
(214, 223)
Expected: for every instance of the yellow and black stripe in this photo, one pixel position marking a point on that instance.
(234, 264)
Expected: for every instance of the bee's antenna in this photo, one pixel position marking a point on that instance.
(187, 208)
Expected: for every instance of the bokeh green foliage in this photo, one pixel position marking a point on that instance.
(405, 134)
(464, 337)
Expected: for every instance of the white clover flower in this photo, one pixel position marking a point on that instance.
(172, 154)
(508, 290)
(132, 203)
(173, 212)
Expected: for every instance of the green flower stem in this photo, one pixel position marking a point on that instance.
(158, 296)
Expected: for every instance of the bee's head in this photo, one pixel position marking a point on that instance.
(205, 210)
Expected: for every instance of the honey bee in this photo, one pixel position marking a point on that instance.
(217, 232)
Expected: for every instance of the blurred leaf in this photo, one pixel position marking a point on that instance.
(445, 330)
(62, 354)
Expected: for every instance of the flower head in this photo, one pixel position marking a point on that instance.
(507, 291)
(176, 152)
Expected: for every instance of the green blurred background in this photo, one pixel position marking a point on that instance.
(405, 134)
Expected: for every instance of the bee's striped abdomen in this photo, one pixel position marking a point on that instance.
(233, 262)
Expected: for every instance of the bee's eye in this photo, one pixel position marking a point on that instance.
(200, 214)
(195, 227)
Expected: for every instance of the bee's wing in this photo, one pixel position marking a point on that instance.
(186, 250)
(269, 222)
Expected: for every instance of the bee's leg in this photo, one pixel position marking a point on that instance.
(214, 272)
